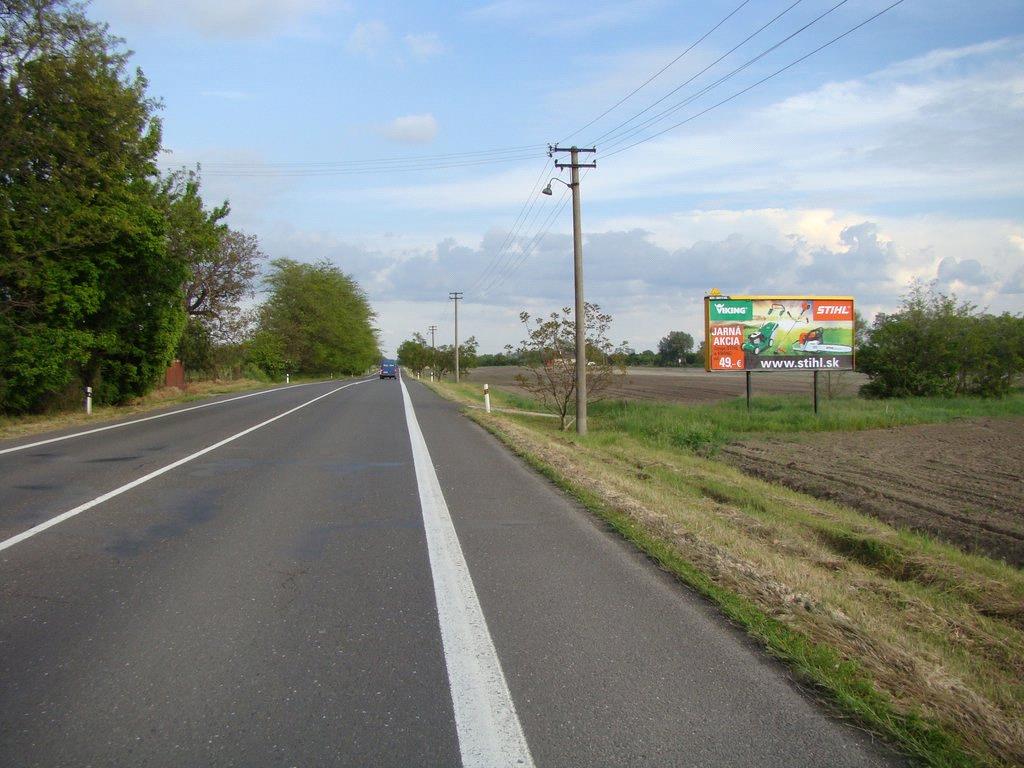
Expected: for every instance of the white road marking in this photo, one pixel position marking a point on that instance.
(150, 418)
(489, 731)
(157, 472)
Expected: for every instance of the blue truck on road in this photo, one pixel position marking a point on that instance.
(388, 369)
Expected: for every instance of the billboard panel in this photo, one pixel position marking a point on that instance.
(778, 333)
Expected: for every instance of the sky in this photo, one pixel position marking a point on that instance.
(406, 142)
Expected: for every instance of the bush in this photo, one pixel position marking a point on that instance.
(936, 345)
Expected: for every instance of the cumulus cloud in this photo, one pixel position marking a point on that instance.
(966, 271)
(651, 287)
(224, 18)
(411, 129)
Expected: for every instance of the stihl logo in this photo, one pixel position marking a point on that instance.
(833, 310)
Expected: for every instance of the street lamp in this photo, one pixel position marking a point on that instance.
(547, 189)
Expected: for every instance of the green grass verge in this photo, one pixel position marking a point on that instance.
(34, 424)
(707, 427)
(842, 681)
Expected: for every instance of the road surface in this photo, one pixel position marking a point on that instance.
(351, 573)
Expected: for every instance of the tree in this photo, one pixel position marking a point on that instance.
(415, 354)
(88, 294)
(316, 320)
(937, 345)
(443, 358)
(549, 354)
(675, 348)
(223, 262)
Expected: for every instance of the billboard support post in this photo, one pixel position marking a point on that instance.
(748, 391)
(816, 393)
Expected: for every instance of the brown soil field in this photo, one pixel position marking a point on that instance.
(961, 481)
(692, 385)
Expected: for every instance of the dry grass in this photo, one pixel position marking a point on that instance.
(937, 635)
(21, 426)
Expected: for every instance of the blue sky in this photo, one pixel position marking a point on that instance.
(893, 154)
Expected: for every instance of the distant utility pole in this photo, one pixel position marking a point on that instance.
(433, 351)
(577, 259)
(455, 296)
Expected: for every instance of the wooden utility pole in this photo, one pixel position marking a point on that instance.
(577, 259)
(455, 296)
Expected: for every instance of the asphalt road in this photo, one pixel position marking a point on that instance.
(326, 577)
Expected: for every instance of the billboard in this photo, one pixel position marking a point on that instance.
(778, 333)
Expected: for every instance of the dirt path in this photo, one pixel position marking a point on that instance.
(960, 481)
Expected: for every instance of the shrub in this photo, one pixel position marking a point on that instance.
(937, 345)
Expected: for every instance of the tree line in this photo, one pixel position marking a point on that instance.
(109, 268)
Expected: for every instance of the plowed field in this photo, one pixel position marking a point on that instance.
(960, 481)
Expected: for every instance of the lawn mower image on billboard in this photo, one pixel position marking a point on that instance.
(778, 333)
(761, 340)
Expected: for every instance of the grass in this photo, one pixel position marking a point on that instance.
(708, 427)
(913, 639)
(21, 426)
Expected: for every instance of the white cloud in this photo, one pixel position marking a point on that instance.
(223, 18)
(368, 38)
(424, 46)
(652, 280)
(411, 129)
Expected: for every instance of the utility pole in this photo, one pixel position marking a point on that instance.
(455, 296)
(433, 330)
(577, 259)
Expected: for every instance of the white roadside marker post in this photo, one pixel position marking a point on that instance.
(287, 378)
(487, 398)
(88, 401)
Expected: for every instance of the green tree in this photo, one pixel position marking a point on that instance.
(675, 348)
(415, 354)
(938, 345)
(87, 292)
(443, 358)
(316, 320)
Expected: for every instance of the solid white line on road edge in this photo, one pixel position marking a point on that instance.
(150, 418)
(157, 472)
(489, 731)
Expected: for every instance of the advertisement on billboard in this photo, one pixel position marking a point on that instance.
(778, 333)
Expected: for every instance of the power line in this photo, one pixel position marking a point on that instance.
(289, 164)
(314, 172)
(646, 82)
(526, 249)
(537, 239)
(759, 82)
(635, 130)
(528, 224)
(746, 40)
(513, 230)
